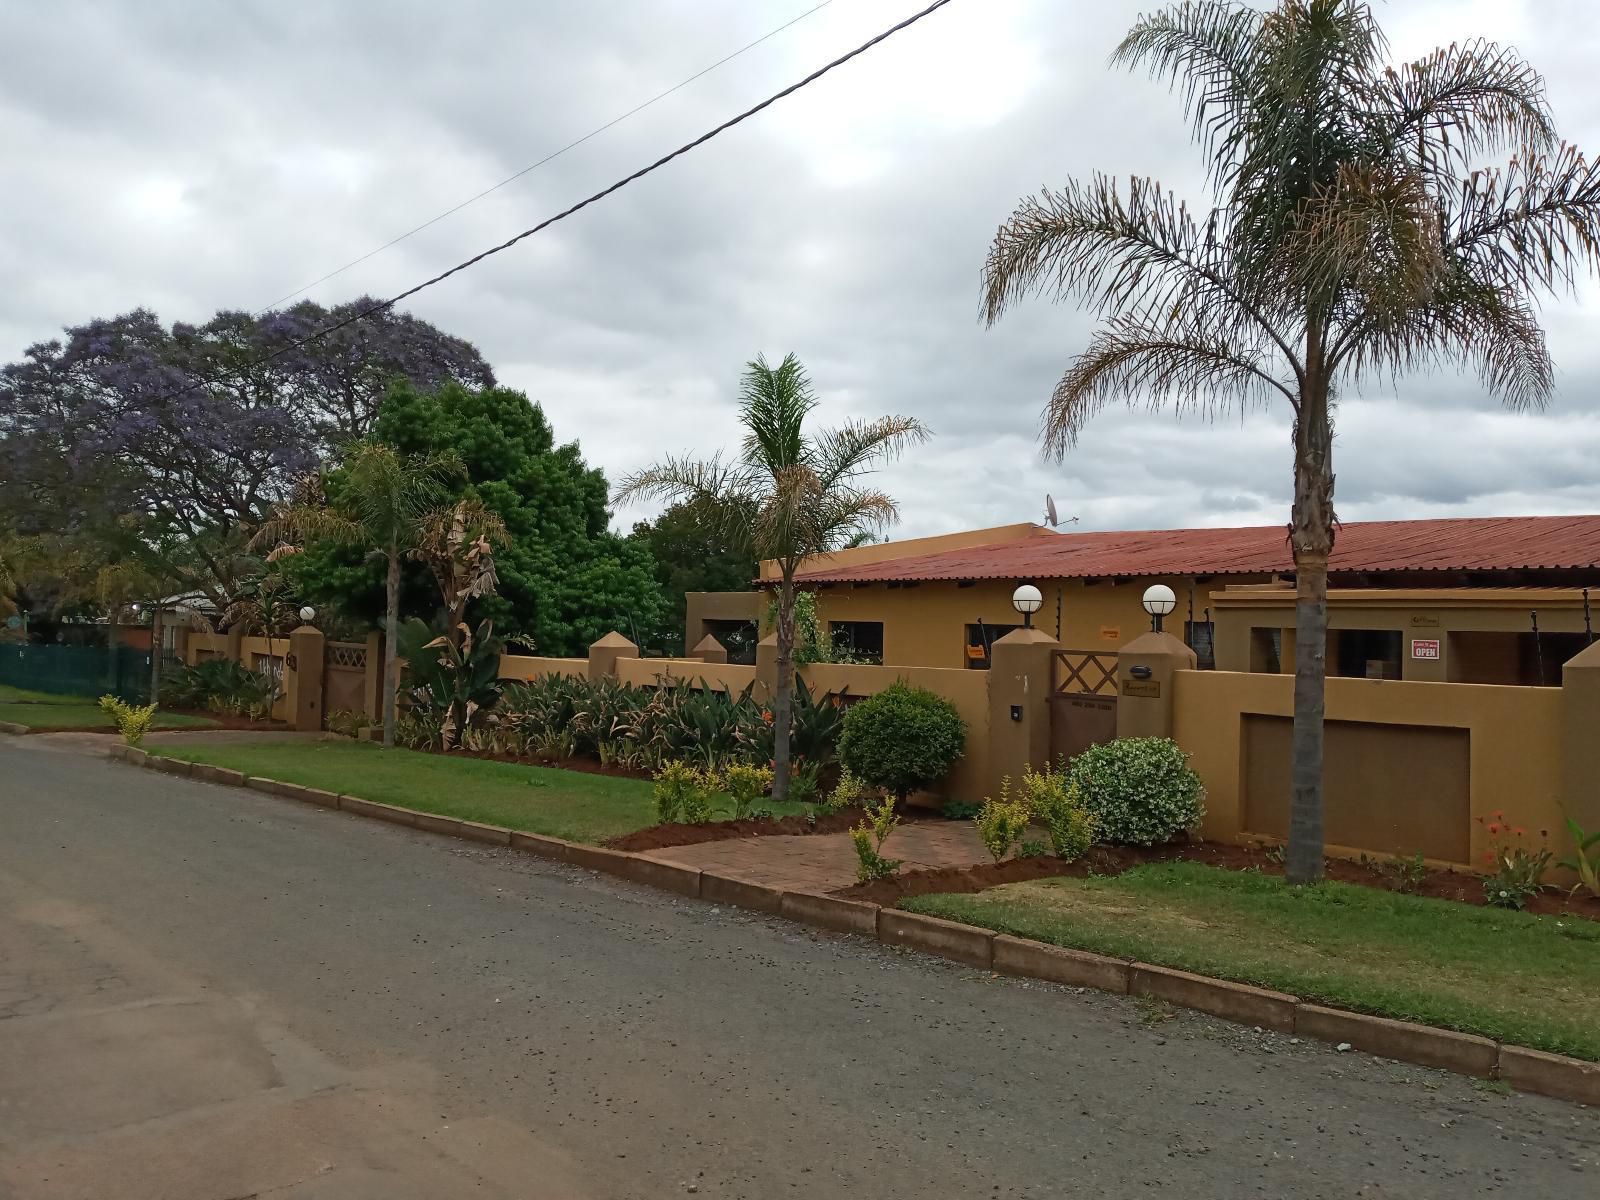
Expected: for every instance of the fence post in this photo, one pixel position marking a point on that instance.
(1145, 670)
(1580, 766)
(709, 650)
(235, 650)
(303, 685)
(603, 655)
(1021, 673)
(372, 681)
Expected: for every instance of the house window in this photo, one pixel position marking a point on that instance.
(1367, 653)
(860, 640)
(979, 639)
(1200, 636)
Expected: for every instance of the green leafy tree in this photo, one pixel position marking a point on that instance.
(383, 502)
(692, 552)
(564, 578)
(788, 496)
(1354, 233)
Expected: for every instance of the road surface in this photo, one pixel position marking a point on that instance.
(211, 994)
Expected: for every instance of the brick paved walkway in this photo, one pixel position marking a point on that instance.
(826, 861)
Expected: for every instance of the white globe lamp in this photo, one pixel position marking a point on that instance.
(1027, 600)
(1159, 600)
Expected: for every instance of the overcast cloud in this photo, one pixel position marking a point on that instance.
(191, 157)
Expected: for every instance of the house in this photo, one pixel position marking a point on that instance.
(1469, 599)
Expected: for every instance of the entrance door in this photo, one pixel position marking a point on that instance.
(1083, 703)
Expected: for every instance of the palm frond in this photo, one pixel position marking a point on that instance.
(1202, 48)
(729, 492)
(1533, 224)
(1132, 360)
(773, 405)
(297, 524)
(847, 451)
(1463, 101)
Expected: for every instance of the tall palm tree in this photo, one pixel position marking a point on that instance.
(384, 502)
(1353, 234)
(786, 497)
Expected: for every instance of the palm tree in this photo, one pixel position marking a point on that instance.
(384, 501)
(786, 497)
(1353, 235)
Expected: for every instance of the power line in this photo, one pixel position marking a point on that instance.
(381, 305)
(638, 108)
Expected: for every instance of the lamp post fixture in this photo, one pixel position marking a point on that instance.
(1159, 600)
(1027, 600)
(308, 614)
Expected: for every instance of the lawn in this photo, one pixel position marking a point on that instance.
(73, 713)
(575, 805)
(9, 694)
(1534, 981)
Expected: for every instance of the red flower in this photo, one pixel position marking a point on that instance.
(1520, 831)
(766, 715)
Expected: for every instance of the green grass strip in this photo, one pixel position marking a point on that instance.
(1533, 981)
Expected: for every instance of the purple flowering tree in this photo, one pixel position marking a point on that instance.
(174, 444)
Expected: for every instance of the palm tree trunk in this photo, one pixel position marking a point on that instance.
(391, 643)
(783, 697)
(155, 652)
(1311, 534)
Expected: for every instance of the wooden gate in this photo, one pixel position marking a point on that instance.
(1083, 701)
(344, 678)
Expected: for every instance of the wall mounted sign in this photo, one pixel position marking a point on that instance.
(1425, 648)
(1111, 633)
(1148, 689)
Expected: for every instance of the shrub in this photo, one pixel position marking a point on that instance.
(1517, 870)
(1141, 791)
(1585, 863)
(1057, 804)
(347, 722)
(850, 790)
(132, 721)
(1001, 823)
(683, 793)
(868, 839)
(902, 739)
(745, 785)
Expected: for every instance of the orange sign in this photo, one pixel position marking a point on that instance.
(1111, 633)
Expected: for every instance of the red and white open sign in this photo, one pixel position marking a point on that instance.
(1424, 647)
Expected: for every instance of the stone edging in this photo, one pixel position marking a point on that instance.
(1526, 1070)
(13, 728)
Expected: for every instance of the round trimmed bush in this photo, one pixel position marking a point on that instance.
(902, 739)
(1141, 791)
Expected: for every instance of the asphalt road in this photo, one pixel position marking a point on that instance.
(210, 994)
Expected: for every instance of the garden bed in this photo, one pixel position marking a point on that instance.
(659, 837)
(1435, 883)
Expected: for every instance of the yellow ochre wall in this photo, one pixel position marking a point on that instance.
(925, 625)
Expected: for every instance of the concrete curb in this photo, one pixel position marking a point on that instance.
(1527, 1070)
(12, 727)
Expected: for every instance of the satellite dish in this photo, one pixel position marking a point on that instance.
(1050, 510)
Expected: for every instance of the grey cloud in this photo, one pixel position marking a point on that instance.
(273, 142)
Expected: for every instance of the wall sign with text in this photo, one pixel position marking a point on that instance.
(1425, 648)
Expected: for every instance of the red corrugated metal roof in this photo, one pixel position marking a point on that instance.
(1451, 544)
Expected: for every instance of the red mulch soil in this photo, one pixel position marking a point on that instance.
(1438, 883)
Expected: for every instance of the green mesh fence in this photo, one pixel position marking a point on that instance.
(89, 671)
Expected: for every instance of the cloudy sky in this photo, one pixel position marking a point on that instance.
(191, 157)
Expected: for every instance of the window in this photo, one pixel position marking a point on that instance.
(1200, 636)
(1266, 650)
(979, 639)
(1366, 653)
(861, 641)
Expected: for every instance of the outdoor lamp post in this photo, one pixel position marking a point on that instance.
(308, 614)
(1027, 601)
(1159, 600)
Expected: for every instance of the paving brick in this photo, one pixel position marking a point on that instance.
(318, 796)
(830, 912)
(173, 766)
(1079, 968)
(1550, 1074)
(225, 776)
(596, 858)
(948, 939)
(740, 893)
(134, 756)
(1421, 1044)
(430, 823)
(494, 835)
(1233, 1001)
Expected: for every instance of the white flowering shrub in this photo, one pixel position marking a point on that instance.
(1141, 791)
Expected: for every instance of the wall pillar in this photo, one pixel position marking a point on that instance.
(709, 650)
(235, 650)
(1145, 670)
(303, 685)
(1580, 765)
(603, 655)
(1021, 674)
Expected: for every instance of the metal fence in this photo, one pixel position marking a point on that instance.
(78, 670)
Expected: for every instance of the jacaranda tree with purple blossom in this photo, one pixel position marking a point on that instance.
(148, 437)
